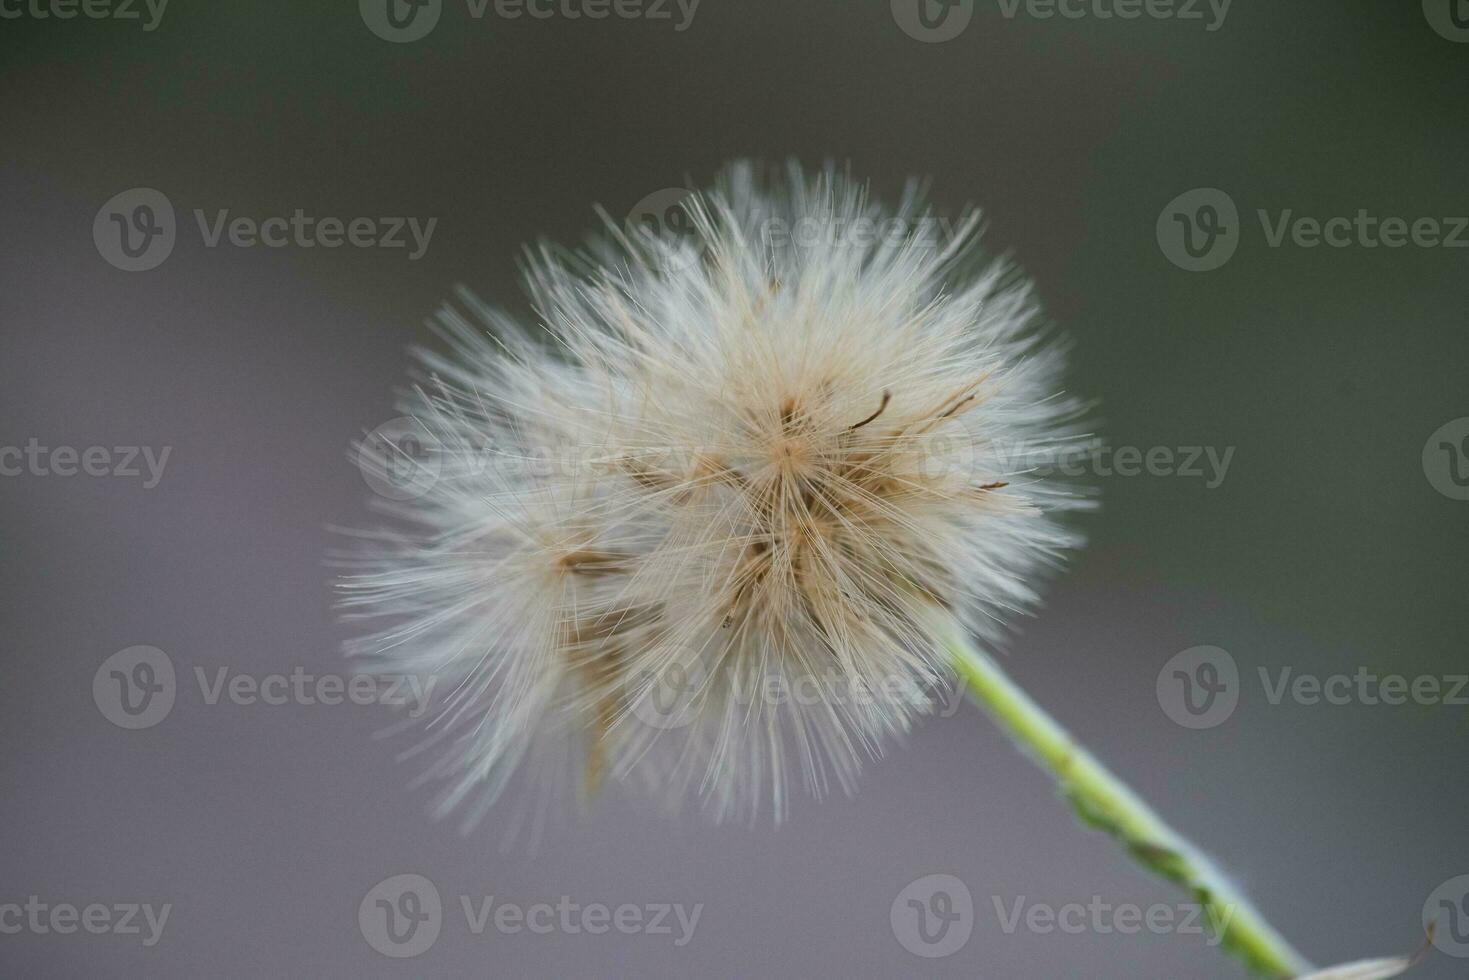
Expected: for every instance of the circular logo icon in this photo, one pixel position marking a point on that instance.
(135, 230)
(1446, 459)
(1447, 913)
(951, 451)
(1199, 688)
(665, 699)
(401, 916)
(1450, 18)
(135, 688)
(663, 223)
(1199, 229)
(933, 916)
(400, 21)
(933, 21)
(400, 459)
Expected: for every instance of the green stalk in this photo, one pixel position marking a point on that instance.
(1104, 802)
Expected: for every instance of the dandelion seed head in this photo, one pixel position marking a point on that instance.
(757, 461)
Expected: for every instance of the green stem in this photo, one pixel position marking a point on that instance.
(1104, 802)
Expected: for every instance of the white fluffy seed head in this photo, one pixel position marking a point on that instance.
(693, 527)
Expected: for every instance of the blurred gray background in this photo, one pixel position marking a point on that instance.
(1327, 548)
